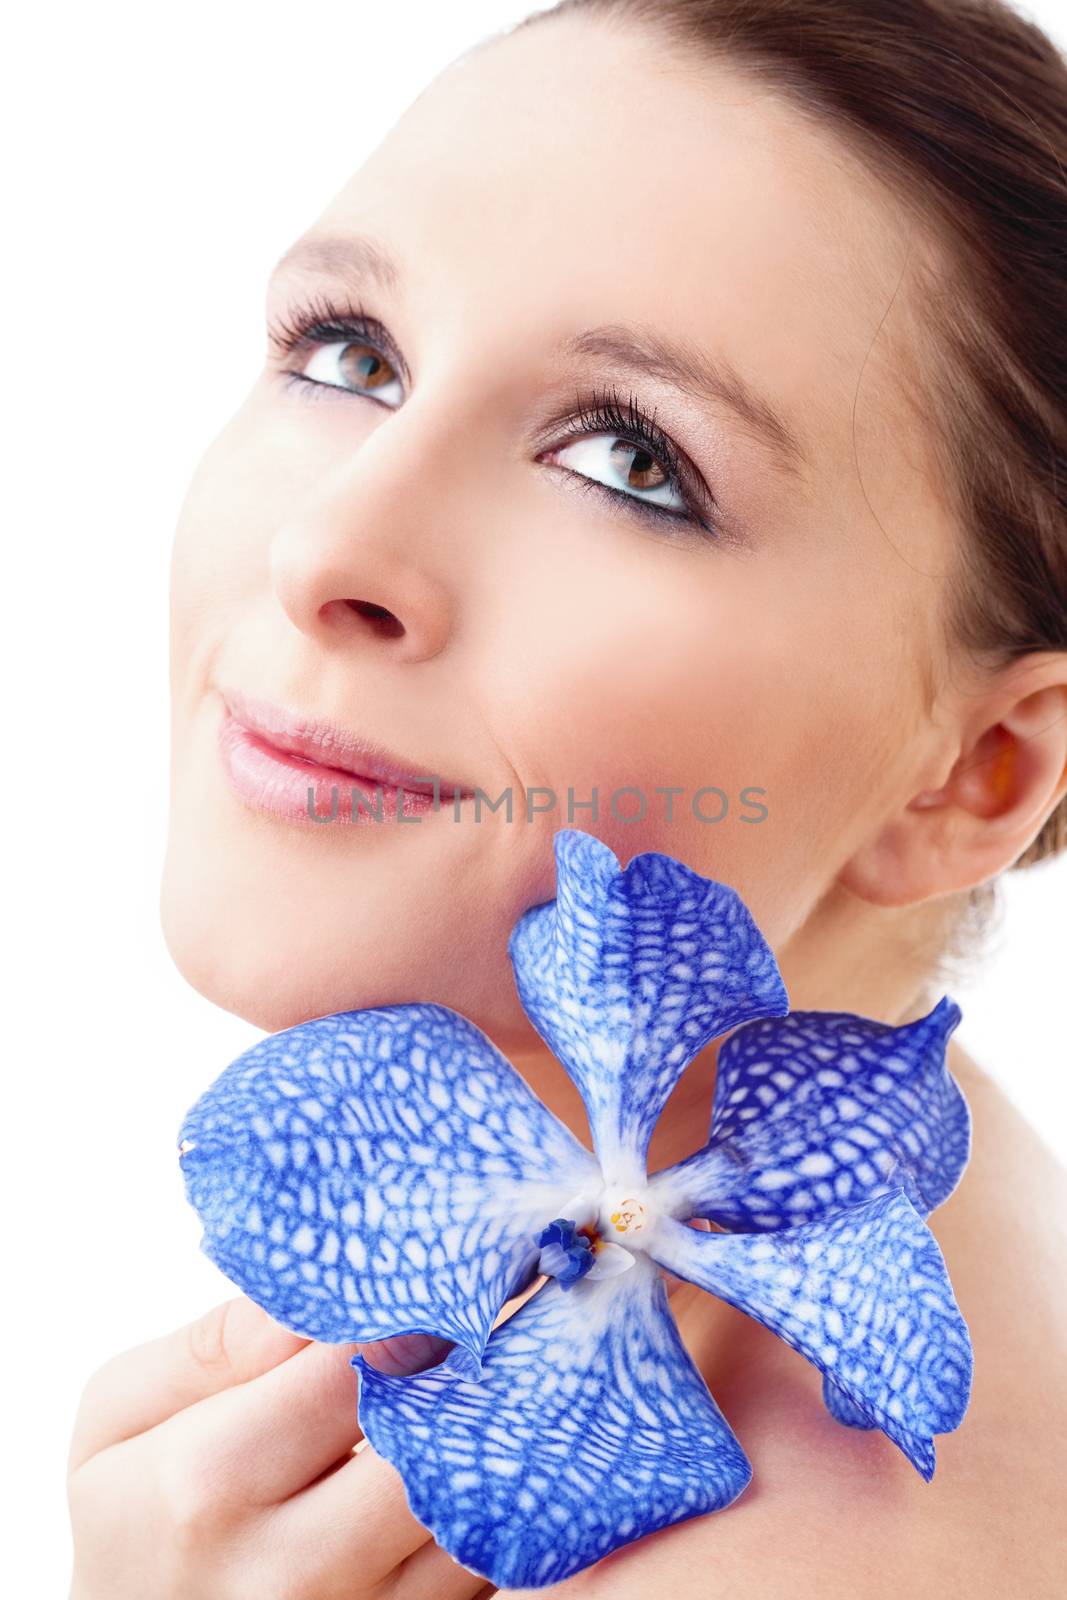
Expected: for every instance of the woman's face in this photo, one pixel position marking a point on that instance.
(420, 529)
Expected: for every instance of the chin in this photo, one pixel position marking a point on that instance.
(253, 956)
(220, 963)
(256, 979)
(268, 967)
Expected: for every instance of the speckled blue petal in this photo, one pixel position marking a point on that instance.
(626, 974)
(864, 1294)
(378, 1172)
(820, 1110)
(590, 1427)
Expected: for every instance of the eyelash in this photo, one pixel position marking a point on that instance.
(323, 321)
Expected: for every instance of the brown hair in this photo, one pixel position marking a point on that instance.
(961, 107)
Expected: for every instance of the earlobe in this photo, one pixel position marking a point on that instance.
(906, 862)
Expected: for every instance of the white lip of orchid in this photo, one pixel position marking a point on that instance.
(611, 1259)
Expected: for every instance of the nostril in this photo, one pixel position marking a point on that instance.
(386, 622)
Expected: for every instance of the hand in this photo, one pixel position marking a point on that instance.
(217, 1463)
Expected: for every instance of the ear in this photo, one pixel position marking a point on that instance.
(1008, 774)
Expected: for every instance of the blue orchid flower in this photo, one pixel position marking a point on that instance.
(387, 1171)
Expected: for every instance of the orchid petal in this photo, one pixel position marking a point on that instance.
(590, 1427)
(378, 1172)
(626, 974)
(818, 1111)
(863, 1294)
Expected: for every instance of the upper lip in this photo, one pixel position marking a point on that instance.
(332, 746)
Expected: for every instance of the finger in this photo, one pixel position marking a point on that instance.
(231, 1344)
(271, 1437)
(354, 1521)
(432, 1574)
(267, 1439)
(277, 1435)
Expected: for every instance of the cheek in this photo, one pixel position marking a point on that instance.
(712, 676)
(220, 567)
(216, 554)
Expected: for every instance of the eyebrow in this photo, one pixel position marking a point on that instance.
(641, 352)
(341, 255)
(716, 382)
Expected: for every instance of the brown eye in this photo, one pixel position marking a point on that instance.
(353, 366)
(643, 471)
(364, 368)
(626, 467)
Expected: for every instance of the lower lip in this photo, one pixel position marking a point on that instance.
(273, 781)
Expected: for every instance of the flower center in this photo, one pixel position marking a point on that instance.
(599, 1240)
(624, 1216)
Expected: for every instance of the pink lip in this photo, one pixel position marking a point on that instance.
(274, 758)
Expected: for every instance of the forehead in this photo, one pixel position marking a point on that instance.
(575, 174)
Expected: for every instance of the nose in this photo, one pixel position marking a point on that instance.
(359, 559)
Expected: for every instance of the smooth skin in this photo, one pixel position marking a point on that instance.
(517, 626)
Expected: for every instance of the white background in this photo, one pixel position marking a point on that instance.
(159, 160)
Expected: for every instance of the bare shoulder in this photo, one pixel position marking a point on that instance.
(834, 1512)
(1004, 1232)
